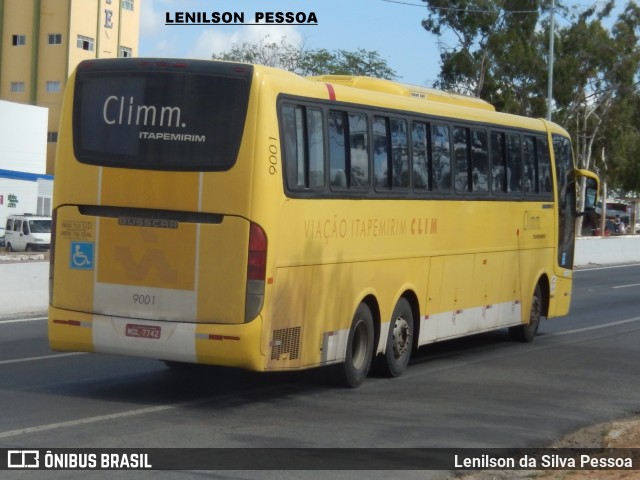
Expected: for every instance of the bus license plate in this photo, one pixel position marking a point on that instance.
(143, 331)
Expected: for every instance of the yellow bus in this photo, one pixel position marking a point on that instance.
(238, 215)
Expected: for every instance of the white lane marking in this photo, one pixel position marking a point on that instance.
(44, 357)
(22, 320)
(608, 267)
(595, 327)
(88, 420)
(120, 415)
(627, 286)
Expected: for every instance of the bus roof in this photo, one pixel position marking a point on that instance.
(406, 90)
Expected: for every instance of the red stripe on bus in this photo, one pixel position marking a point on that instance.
(332, 92)
(222, 337)
(74, 323)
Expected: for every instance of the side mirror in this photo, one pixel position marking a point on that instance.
(591, 188)
(590, 194)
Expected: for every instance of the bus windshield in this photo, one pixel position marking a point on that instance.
(158, 116)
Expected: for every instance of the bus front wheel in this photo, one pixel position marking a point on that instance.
(526, 333)
(357, 362)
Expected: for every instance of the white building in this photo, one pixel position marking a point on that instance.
(24, 185)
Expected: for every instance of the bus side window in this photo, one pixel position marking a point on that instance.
(498, 171)
(303, 147)
(399, 154)
(479, 161)
(420, 159)
(359, 151)
(315, 142)
(293, 129)
(529, 163)
(381, 153)
(337, 149)
(514, 164)
(461, 155)
(545, 184)
(441, 155)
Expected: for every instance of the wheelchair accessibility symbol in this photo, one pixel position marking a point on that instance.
(82, 255)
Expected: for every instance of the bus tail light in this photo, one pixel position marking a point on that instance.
(52, 253)
(256, 271)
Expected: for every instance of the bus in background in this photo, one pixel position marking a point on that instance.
(239, 215)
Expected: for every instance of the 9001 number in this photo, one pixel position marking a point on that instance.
(144, 299)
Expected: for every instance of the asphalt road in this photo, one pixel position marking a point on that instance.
(483, 391)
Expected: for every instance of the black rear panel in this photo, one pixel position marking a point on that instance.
(160, 114)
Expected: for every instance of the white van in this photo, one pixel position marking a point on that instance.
(28, 233)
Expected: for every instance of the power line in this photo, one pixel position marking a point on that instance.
(592, 3)
(452, 9)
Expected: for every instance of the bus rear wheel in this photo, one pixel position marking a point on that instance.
(357, 362)
(399, 341)
(526, 333)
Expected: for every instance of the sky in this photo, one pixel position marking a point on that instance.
(390, 27)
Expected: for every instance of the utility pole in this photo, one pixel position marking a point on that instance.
(551, 60)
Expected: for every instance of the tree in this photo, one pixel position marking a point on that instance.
(501, 56)
(597, 95)
(297, 59)
(497, 51)
(620, 135)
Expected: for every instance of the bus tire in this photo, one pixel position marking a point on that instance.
(359, 353)
(399, 341)
(526, 333)
(9, 248)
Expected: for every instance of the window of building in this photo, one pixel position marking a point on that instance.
(55, 39)
(53, 86)
(127, 5)
(18, 40)
(86, 43)
(17, 87)
(125, 52)
(52, 137)
(44, 206)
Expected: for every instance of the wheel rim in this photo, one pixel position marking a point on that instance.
(359, 345)
(401, 339)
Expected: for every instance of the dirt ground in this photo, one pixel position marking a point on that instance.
(617, 434)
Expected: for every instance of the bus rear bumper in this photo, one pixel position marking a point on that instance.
(215, 344)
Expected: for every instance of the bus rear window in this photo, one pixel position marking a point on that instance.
(146, 115)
